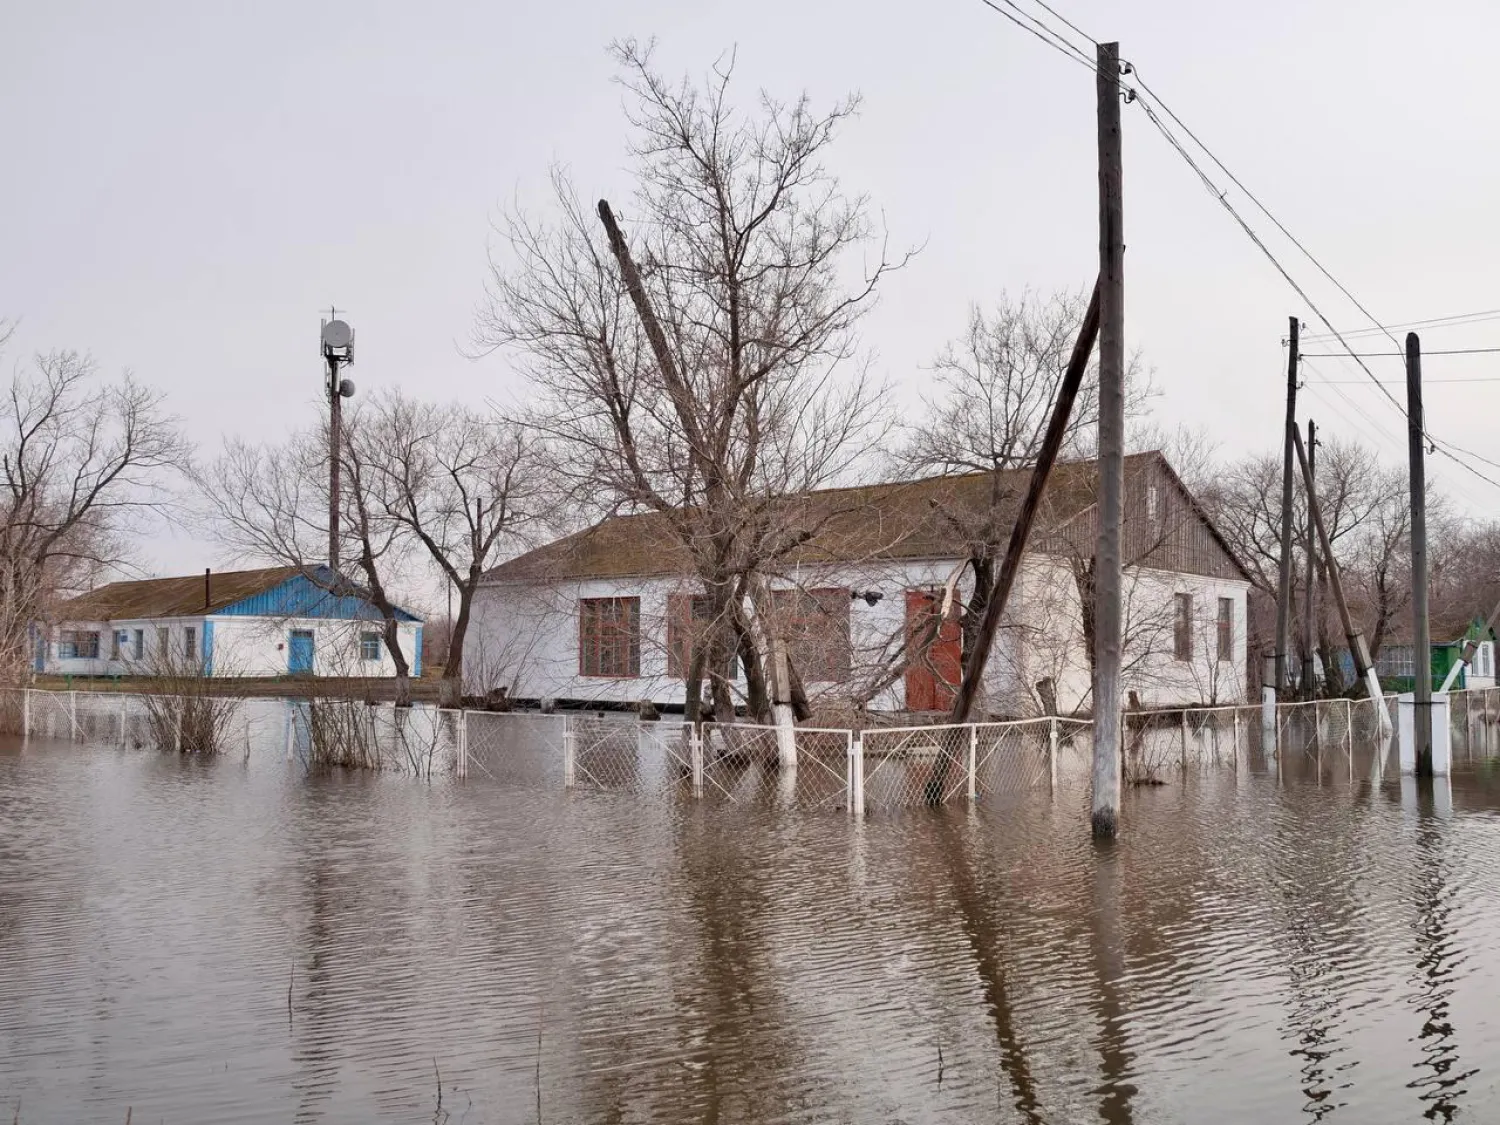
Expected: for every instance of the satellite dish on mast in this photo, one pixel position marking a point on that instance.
(337, 334)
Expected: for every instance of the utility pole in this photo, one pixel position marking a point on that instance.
(338, 351)
(1308, 675)
(1107, 568)
(1284, 585)
(1416, 439)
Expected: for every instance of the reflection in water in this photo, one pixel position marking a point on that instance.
(1252, 949)
(1441, 1078)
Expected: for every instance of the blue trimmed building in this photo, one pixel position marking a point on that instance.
(281, 621)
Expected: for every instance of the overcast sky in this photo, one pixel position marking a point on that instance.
(188, 184)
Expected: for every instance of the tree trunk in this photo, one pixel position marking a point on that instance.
(453, 663)
(979, 601)
(692, 702)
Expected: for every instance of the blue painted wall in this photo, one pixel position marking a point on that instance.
(416, 668)
(208, 647)
(301, 596)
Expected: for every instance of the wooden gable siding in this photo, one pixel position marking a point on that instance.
(1177, 536)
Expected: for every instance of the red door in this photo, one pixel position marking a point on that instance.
(934, 652)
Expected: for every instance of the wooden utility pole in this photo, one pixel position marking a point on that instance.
(1308, 675)
(1057, 428)
(1357, 647)
(1416, 439)
(1107, 566)
(1284, 585)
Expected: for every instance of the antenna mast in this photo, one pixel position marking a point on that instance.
(337, 341)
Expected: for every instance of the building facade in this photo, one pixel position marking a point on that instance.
(279, 621)
(867, 605)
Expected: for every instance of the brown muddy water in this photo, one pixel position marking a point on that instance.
(234, 940)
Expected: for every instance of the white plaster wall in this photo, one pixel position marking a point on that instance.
(525, 637)
(242, 646)
(1151, 668)
(260, 646)
(127, 665)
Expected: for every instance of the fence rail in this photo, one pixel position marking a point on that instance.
(878, 768)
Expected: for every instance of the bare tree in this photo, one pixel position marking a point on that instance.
(996, 388)
(269, 502)
(749, 389)
(464, 486)
(84, 461)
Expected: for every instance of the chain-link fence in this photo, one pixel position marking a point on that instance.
(797, 767)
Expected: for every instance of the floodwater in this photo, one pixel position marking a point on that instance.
(190, 939)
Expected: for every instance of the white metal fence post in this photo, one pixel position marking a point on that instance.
(463, 743)
(857, 775)
(973, 762)
(177, 705)
(570, 753)
(695, 757)
(73, 715)
(1052, 753)
(290, 709)
(26, 714)
(124, 703)
(1184, 740)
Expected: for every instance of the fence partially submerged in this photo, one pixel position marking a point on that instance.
(878, 768)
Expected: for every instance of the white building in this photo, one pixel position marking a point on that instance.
(606, 615)
(274, 622)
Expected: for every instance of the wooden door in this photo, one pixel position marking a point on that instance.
(934, 653)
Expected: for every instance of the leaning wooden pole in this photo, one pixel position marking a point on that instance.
(1108, 575)
(1357, 647)
(1057, 429)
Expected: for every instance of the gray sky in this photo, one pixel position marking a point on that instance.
(188, 184)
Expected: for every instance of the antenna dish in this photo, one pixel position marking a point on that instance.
(346, 388)
(337, 334)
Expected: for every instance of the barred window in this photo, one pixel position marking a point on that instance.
(1226, 628)
(79, 645)
(369, 646)
(815, 626)
(1182, 626)
(609, 637)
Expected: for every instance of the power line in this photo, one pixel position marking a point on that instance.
(1458, 320)
(1425, 381)
(1402, 355)
(1060, 43)
(1051, 38)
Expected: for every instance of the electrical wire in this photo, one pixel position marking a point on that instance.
(1457, 320)
(1056, 42)
(1145, 96)
(1402, 355)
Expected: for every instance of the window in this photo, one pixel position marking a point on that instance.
(688, 618)
(190, 644)
(369, 646)
(815, 626)
(163, 643)
(138, 647)
(1226, 628)
(78, 645)
(609, 637)
(1182, 626)
(116, 643)
(1395, 661)
(1484, 660)
(1153, 503)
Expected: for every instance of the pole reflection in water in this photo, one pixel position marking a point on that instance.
(1441, 1080)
